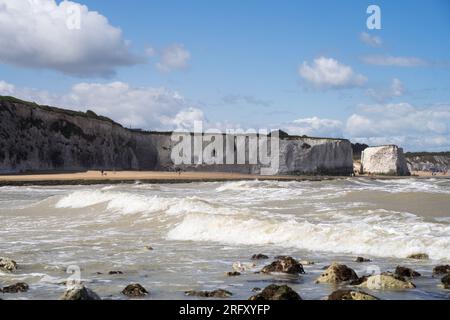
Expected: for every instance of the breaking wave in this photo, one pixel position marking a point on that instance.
(375, 233)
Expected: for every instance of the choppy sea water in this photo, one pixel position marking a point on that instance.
(198, 230)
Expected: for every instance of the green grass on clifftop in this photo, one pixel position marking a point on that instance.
(88, 114)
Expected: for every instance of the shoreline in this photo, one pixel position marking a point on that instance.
(153, 177)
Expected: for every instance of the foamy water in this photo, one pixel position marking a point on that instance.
(198, 230)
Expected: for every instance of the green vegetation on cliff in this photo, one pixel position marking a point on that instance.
(88, 114)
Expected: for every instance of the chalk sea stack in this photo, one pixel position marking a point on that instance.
(384, 160)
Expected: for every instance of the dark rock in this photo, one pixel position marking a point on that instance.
(281, 257)
(135, 290)
(350, 295)
(359, 281)
(444, 269)
(220, 293)
(256, 289)
(337, 273)
(446, 281)
(274, 292)
(259, 256)
(406, 272)
(115, 272)
(362, 259)
(16, 288)
(80, 292)
(149, 248)
(233, 274)
(7, 264)
(418, 256)
(284, 265)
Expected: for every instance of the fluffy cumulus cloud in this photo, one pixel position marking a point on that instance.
(372, 41)
(384, 60)
(174, 57)
(413, 127)
(137, 107)
(328, 73)
(66, 37)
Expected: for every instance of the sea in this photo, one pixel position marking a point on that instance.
(171, 238)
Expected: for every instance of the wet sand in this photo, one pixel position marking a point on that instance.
(111, 177)
(95, 177)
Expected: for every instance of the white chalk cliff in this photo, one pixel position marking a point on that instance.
(41, 138)
(388, 160)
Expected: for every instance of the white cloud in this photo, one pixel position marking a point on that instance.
(174, 57)
(396, 89)
(373, 41)
(45, 35)
(314, 127)
(6, 89)
(328, 73)
(382, 60)
(136, 107)
(401, 123)
(245, 99)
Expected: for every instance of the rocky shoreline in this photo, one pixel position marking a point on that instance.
(344, 282)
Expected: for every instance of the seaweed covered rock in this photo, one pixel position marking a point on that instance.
(135, 290)
(418, 256)
(337, 273)
(446, 281)
(406, 272)
(351, 295)
(259, 256)
(275, 292)
(7, 264)
(284, 265)
(443, 269)
(219, 293)
(16, 288)
(80, 292)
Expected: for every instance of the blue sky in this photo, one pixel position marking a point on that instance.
(309, 67)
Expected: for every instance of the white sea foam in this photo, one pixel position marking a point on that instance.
(375, 233)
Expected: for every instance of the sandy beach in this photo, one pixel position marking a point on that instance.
(113, 177)
(143, 176)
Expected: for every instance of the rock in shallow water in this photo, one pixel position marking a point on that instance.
(362, 259)
(418, 256)
(220, 293)
(274, 292)
(406, 272)
(259, 256)
(351, 295)
(337, 273)
(7, 264)
(80, 292)
(16, 288)
(115, 272)
(135, 290)
(446, 281)
(284, 265)
(233, 274)
(387, 281)
(443, 269)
